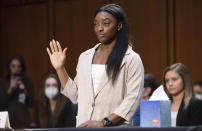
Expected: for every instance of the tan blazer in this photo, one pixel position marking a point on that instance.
(122, 98)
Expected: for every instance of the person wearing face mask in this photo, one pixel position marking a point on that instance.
(197, 88)
(53, 109)
(17, 93)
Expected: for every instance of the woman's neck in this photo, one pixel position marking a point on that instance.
(176, 101)
(52, 105)
(107, 47)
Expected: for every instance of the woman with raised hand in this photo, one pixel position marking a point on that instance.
(110, 76)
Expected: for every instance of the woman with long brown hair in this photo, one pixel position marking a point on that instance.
(53, 109)
(185, 110)
(17, 93)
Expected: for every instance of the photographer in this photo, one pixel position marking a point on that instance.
(18, 90)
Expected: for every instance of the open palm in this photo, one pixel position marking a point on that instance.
(57, 55)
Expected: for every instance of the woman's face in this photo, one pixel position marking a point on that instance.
(51, 82)
(105, 27)
(174, 83)
(15, 67)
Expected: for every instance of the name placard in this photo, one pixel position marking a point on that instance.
(4, 120)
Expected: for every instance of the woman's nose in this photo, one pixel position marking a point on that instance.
(100, 28)
(170, 83)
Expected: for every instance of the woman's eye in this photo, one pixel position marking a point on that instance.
(106, 24)
(95, 24)
(174, 79)
(47, 85)
(55, 85)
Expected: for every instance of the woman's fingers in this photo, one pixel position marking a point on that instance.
(51, 46)
(59, 47)
(83, 125)
(55, 46)
(49, 53)
(64, 51)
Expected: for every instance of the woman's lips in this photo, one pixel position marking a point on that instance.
(101, 35)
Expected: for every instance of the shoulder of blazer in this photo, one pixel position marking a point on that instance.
(194, 108)
(91, 50)
(195, 104)
(131, 56)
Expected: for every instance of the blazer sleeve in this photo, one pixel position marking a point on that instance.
(71, 89)
(134, 88)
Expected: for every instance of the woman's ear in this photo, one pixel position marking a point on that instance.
(120, 26)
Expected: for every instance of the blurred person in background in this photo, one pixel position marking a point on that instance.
(185, 109)
(54, 110)
(149, 86)
(197, 88)
(18, 93)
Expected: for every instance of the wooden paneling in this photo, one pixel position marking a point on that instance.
(148, 26)
(189, 35)
(74, 28)
(162, 32)
(24, 32)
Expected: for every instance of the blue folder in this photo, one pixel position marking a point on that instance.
(155, 113)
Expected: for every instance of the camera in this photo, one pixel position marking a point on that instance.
(17, 77)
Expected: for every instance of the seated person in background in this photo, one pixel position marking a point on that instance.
(53, 109)
(185, 109)
(197, 88)
(149, 86)
(18, 93)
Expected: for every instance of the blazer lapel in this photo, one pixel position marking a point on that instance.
(88, 71)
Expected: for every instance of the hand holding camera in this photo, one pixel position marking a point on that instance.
(16, 84)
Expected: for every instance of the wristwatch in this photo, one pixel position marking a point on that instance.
(107, 121)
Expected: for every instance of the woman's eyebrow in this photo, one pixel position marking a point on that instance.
(106, 19)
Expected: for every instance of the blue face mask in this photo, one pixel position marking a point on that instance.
(198, 96)
(51, 92)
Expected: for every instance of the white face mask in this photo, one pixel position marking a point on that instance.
(51, 92)
(198, 96)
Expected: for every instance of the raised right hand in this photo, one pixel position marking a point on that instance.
(57, 55)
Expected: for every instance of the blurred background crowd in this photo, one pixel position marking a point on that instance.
(163, 32)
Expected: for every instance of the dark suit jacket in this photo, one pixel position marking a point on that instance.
(192, 116)
(18, 113)
(66, 118)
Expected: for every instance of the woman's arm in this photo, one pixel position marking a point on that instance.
(113, 118)
(63, 76)
(134, 88)
(58, 57)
